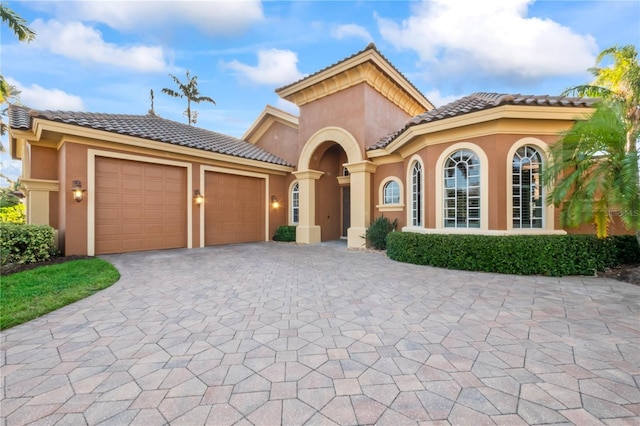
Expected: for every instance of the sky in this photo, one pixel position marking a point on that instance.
(106, 56)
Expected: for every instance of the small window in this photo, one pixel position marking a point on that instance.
(295, 204)
(391, 193)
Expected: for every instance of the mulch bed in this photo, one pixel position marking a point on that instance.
(626, 273)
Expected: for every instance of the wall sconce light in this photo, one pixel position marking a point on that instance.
(274, 202)
(77, 191)
(198, 197)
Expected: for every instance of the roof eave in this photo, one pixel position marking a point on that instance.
(528, 112)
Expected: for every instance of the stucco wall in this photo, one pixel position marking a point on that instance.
(496, 147)
(45, 163)
(282, 141)
(396, 170)
(359, 109)
(381, 116)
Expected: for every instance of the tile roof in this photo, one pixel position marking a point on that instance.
(370, 46)
(148, 127)
(481, 101)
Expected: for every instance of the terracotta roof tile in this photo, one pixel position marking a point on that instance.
(481, 101)
(148, 127)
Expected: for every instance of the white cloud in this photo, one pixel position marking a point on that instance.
(77, 41)
(38, 97)
(275, 67)
(287, 106)
(493, 37)
(351, 30)
(210, 17)
(438, 99)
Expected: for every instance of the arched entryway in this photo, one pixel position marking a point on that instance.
(335, 192)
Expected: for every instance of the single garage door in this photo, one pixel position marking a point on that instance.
(234, 209)
(139, 206)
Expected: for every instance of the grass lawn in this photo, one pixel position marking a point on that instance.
(29, 294)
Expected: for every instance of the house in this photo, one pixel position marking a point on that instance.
(366, 143)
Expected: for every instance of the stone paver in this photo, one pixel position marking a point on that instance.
(271, 333)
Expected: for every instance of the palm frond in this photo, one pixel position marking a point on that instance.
(17, 24)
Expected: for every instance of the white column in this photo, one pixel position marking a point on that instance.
(307, 232)
(360, 178)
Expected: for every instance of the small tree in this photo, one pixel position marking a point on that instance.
(190, 91)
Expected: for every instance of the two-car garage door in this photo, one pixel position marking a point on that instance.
(143, 206)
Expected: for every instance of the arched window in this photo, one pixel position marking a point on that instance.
(416, 194)
(527, 190)
(295, 203)
(462, 190)
(391, 193)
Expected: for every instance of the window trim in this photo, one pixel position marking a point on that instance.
(409, 191)
(484, 187)
(390, 207)
(548, 216)
(291, 204)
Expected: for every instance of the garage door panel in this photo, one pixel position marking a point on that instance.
(234, 208)
(131, 202)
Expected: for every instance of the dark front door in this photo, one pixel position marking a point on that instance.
(346, 209)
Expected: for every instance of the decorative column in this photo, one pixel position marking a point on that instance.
(307, 232)
(37, 195)
(360, 178)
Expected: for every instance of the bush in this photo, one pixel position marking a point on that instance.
(285, 233)
(627, 249)
(377, 232)
(26, 243)
(554, 255)
(13, 214)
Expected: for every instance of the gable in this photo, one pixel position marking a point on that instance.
(367, 66)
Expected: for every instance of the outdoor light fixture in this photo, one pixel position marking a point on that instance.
(77, 191)
(198, 197)
(274, 202)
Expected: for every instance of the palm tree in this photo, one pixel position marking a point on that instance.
(17, 24)
(190, 91)
(593, 171)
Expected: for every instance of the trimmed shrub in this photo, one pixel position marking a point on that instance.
(13, 214)
(627, 249)
(285, 233)
(554, 255)
(377, 232)
(26, 243)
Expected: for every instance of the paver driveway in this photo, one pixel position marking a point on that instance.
(274, 333)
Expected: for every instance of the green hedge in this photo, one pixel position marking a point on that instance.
(285, 233)
(554, 255)
(26, 243)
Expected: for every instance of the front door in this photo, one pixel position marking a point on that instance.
(346, 209)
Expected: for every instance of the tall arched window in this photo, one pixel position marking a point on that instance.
(295, 203)
(526, 188)
(462, 190)
(416, 194)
